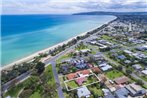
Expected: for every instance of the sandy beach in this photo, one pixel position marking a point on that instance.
(30, 57)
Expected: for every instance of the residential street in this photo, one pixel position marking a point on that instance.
(133, 75)
(136, 77)
(60, 92)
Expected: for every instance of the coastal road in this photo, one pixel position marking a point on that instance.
(18, 79)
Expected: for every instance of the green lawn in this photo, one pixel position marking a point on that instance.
(35, 95)
(91, 80)
(96, 90)
(63, 57)
(72, 84)
(144, 78)
(48, 71)
(145, 86)
(113, 74)
(106, 37)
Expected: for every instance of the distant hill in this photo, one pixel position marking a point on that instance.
(111, 13)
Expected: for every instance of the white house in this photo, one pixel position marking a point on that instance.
(144, 72)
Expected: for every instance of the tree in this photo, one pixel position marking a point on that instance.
(26, 93)
(119, 68)
(40, 67)
(139, 82)
(128, 71)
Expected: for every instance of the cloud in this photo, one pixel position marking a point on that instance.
(70, 6)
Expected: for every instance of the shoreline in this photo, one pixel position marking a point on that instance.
(31, 56)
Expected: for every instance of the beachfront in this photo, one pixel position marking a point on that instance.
(31, 57)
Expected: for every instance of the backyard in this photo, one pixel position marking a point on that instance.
(90, 79)
(113, 74)
(72, 84)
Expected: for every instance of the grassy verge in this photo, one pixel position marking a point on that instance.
(144, 78)
(36, 95)
(63, 57)
(13, 92)
(48, 73)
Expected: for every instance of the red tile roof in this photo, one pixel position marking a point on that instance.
(96, 69)
(85, 72)
(90, 65)
(71, 76)
(80, 80)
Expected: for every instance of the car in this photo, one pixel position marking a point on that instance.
(111, 81)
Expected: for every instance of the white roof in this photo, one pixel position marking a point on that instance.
(106, 67)
(93, 42)
(83, 91)
(8, 97)
(106, 91)
(127, 51)
(137, 66)
(85, 50)
(144, 72)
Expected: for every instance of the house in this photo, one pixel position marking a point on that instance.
(128, 52)
(85, 50)
(93, 42)
(71, 76)
(122, 57)
(142, 48)
(135, 90)
(137, 66)
(81, 66)
(107, 93)
(83, 92)
(121, 93)
(110, 86)
(79, 63)
(84, 73)
(127, 61)
(96, 70)
(121, 80)
(139, 55)
(144, 72)
(98, 57)
(105, 66)
(90, 65)
(80, 80)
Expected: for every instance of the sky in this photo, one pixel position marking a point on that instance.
(71, 6)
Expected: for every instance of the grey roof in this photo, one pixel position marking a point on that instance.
(83, 91)
(122, 93)
(109, 95)
(122, 57)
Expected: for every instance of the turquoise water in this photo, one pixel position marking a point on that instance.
(24, 35)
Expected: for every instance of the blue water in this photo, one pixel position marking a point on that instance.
(23, 35)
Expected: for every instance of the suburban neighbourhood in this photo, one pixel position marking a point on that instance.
(109, 62)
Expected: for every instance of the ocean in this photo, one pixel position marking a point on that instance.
(23, 35)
